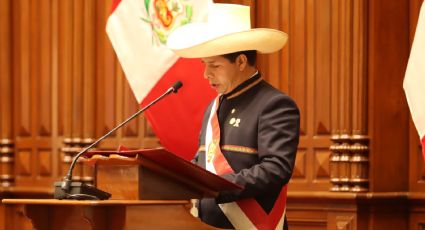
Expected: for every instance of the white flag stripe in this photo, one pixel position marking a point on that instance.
(414, 81)
(143, 62)
(143, 57)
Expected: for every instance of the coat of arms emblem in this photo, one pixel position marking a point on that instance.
(166, 15)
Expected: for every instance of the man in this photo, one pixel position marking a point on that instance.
(250, 131)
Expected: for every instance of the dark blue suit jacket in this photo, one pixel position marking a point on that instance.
(259, 133)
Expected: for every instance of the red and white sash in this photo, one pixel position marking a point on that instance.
(247, 213)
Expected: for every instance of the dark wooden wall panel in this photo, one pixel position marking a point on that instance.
(5, 69)
(64, 66)
(297, 51)
(44, 110)
(388, 47)
(89, 73)
(359, 84)
(106, 97)
(322, 64)
(77, 74)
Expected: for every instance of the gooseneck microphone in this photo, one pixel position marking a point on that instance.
(66, 189)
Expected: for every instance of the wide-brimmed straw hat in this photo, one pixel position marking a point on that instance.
(227, 30)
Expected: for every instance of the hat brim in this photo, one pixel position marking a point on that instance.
(199, 44)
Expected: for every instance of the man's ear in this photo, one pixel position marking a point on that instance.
(242, 62)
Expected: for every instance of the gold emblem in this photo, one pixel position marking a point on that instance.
(235, 121)
(164, 16)
(212, 147)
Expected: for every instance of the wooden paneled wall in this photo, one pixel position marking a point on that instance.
(61, 87)
(323, 67)
(68, 88)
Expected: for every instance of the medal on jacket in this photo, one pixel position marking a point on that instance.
(212, 148)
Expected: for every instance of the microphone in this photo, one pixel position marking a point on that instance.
(176, 86)
(66, 189)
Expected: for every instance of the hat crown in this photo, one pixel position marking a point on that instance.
(229, 18)
(227, 30)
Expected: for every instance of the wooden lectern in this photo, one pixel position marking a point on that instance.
(153, 174)
(150, 190)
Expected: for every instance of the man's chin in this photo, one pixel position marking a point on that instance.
(217, 89)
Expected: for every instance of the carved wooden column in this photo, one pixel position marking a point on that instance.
(342, 77)
(359, 164)
(6, 99)
(349, 163)
(339, 164)
(7, 175)
(344, 164)
(72, 146)
(349, 160)
(359, 161)
(334, 163)
(78, 71)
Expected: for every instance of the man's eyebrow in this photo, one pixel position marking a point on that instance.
(208, 62)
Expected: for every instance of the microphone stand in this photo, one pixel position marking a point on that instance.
(65, 188)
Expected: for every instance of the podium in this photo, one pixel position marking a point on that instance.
(150, 190)
(153, 174)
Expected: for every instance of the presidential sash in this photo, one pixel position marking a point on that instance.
(246, 213)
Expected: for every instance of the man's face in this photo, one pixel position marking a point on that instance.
(222, 75)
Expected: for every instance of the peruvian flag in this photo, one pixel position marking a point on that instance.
(138, 30)
(414, 80)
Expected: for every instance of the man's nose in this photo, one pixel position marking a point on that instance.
(207, 73)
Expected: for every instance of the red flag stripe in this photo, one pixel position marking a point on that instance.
(423, 146)
(177, 119)
(114, 5)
